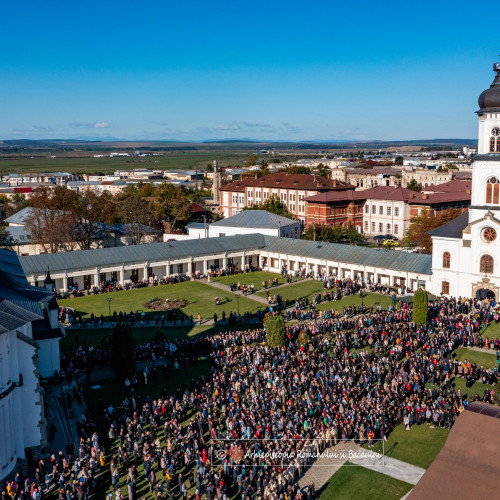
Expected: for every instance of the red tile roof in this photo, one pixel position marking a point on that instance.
(454, 186)
(288, 181)
(392, 193)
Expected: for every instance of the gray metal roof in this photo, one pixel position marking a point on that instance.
(452, 229)
(160, 252)
(152, 252)
(487, 157)
(255, 218)
(19, 217)
(351, 254)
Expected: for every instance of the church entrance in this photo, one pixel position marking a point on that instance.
(484, 293)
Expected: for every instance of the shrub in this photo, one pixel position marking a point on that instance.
(122, 350)
(275, 331)
(159, 336)
(420, 307)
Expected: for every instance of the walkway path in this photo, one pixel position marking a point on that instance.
(221, 286)
(482, 349)
(334, 457)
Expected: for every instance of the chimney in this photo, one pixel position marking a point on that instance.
(334, 182)
(424, 196)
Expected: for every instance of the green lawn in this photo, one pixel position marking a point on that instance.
(418, 446)
(492, 331)
(94, 336)
(256, 278)
(480, 358)
(297, 291)
(201, 299)
(352, 482)
(477, 388)
(369, 299)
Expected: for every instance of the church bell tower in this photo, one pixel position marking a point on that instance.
(486, 168)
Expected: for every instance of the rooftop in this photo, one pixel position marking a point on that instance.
(255, 219)
(288, 181)
(452, 229)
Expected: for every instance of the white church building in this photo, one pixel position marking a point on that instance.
(29, 348)
(466, 251)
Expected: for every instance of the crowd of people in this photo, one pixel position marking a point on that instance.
(358, 374)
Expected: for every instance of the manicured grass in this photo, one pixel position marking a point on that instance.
(369, 299)
(480, 358)
(477, 388)
(201, 299)
(256, 278)
(492, 331)
(352, 482)
(94, 336)
(419, 446)
(296, 291)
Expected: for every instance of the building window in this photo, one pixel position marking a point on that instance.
(495, 141)
(381, 210)
(380, 227)
(445, 288)
(367, 209)
(396, 211)
(396, 229)
(388, 228)
(374, 209)
(366, 226)
(446, 260)
(373, 227)
(492, 190)
(388, 210)
(486, 264)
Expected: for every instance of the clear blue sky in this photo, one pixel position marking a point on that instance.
(268, 70)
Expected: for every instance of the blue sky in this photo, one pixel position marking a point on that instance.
(267, 70)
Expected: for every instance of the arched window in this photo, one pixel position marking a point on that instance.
(494, 144)
(446, 260)
(445, 287)
(486, 264)
(492, 190)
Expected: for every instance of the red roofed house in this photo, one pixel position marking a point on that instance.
(292, 190)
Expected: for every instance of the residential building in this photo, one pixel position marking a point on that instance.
(291, 189)
(246, 222)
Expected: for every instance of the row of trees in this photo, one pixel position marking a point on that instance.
(334, 234)
(62, 216)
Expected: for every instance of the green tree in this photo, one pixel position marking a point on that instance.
(273, 205)
(122, 350)
(414, 186)
(420, 307)
(353, 236)
(322, 232)
(298, 169)
(275, 331)
(323, 170)
(399, 160)
(171, 206)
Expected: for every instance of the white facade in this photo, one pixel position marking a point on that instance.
(466, 254)
(386, 217)
(29, 348)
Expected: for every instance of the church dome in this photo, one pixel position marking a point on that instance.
(489, 100)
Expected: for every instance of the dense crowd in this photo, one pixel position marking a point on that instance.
(360, 373)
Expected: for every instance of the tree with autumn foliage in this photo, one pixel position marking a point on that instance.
(417, 234)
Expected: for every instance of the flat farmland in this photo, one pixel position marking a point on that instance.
(88, 164)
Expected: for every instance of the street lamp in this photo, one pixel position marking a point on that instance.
(238, 303)
(109, 299)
